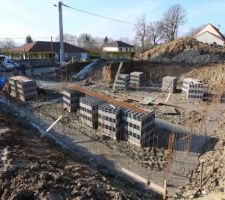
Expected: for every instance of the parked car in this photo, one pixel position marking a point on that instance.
(7, 64)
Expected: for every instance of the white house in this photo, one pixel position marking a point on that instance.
(118, 46)
(211, 35)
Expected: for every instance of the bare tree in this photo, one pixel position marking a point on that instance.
(141, 29)
(69, 38)
(8, 44)
(195, 30)
(154, 32)
(98, 43)
(173, 18)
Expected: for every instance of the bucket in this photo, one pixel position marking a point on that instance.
(2, 82)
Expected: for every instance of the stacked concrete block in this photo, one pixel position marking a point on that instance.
(109, 121)
(13, 86)
(138, 128)
(71, 100)
(123, 81)
(193, 88)
(23, 88)
(89, 111)
(169, 84)
(137, 79)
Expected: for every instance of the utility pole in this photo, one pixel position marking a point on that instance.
(61, 33)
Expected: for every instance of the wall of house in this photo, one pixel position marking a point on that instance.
(116, 49)
(209, 38)
(111, 49)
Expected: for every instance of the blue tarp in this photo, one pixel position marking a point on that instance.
(2, 82)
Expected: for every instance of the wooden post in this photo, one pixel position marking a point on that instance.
(201, 173)
(165, 189)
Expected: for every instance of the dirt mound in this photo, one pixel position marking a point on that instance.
(185, 50)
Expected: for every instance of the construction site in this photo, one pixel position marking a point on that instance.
(156, 125)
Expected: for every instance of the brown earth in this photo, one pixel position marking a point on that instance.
(34, 168)
(185, 50)
(212, 75)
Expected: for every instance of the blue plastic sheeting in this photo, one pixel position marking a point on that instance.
(2, 82)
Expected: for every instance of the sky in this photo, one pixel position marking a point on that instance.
(39, 18)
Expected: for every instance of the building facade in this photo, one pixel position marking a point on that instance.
(211, 35)
(46, 49)
(118, 46)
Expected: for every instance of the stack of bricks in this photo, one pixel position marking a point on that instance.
(23, 88)
(123, 81)
(169, 84)
(194, 89)
(109, 121)
(138, 128)
(89, 111)
(71, 100)
(137, 79)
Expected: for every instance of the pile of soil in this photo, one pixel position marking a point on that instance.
(186, 50)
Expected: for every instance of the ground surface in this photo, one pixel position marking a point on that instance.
(33, 168)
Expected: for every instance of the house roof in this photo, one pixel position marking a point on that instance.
(213, 30)
(45, 46)
(117, 44)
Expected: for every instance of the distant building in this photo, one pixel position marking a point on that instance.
(211, 35)
(118, 46)
(45, 49)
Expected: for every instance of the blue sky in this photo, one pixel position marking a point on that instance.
(39, 18)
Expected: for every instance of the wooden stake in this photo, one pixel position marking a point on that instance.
(165, 189)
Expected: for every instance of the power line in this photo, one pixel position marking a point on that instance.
(97, 15)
